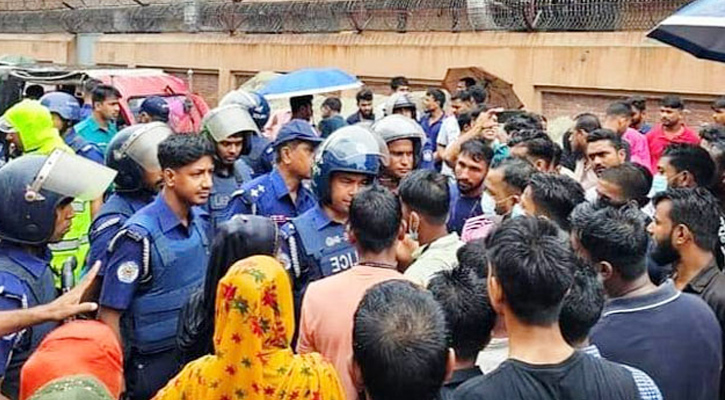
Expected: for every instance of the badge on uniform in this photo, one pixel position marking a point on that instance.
(128, 272)
(333, 240)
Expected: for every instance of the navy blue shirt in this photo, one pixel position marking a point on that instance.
(431, 143)
(463, 208)
(358, 117)
(674, 337)
(268, 196)
(120, 282)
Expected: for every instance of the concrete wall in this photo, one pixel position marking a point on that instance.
(541, 66)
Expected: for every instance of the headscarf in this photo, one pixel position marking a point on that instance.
(241, 237)
(252, 358)
(73, 388)
(76, 348)
(35, 128)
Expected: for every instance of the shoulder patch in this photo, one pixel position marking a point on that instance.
(107, 224)
(134, 234)
(128, 272)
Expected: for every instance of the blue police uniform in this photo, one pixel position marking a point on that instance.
(26, 280)
(316, 247)
(259, 159)
(155, 263)
(83, 147)
(430, 146)
(113, 215)
(268, 196)
(222, 189)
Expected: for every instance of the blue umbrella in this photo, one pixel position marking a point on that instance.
(698, 28)
(309, 81)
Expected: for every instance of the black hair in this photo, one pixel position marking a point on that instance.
(478, 93)
(534, 266)
(606, 134)
(400, 342)
(523, 135)
(523, 121)
(437, 95)
(468, 118)
(712, 133)
(177, 151)
(638, 102)
(102, 93)
(556, 196)
(634, 180)
(516, 172)
(469, 315)
(539, 147)
(698, 210)
(427, 193)
(587, 122)
(478, 150)
(333, 103)
(398, 81)
(673, 101)
(375, 217)
(364, 95)
(90, 84)
(693, 159)
(620, 109)
(719, 103)
(468, 81)
(616, 235)
(582, 307)
(34, 92)
(462, 95)
(472, 255)
(299, 102)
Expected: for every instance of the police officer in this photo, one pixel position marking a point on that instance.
(260, 156)
(153, 109)
(229, 128)
(66, 112)
(316, 243)
(281, 194)
(404, 138)
(36, 197)
(401, 103)
(155, 261)
(133, 154)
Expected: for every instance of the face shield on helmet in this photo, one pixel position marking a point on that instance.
(253, 102)
(225, 121)
(349, 149)
(71, 176)
(399, 101)
(143, 145)
(398, 127)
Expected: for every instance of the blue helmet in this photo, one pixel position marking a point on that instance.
(63, 104)
(134, 150)
(33, 186)
(253, 102)
(349, 149)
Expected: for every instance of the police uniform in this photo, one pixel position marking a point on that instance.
(83, 147)
(90, 130)
(222, 190)
(268, 196)
(259, 159)
(155, 263)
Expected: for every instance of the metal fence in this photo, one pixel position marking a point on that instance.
(326, 16)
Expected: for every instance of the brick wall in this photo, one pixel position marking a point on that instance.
(206, 84)
(570, 104)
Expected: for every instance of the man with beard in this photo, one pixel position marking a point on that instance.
(685, 232)
(639, 108)
(133, 154)
(156, 261)
(364, 108)
(671, 130)
(604, 150)
(471, 169)
(405, 139)
(584, 124)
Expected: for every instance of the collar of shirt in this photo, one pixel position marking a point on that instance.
(166, 216)
(320, 218)
(664, 294)
(442, 242)
(278, 184)
(702, 280)
(461, 375)
(34, 264)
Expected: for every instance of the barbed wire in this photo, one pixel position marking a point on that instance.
(325, 16)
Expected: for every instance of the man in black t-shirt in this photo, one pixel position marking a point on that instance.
(531, 271)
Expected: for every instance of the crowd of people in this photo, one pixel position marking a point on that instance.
(450, 252)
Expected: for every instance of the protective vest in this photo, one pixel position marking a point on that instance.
(328, 249)
(223, 188)
(176, 269)
(42, 291)
(74, 243)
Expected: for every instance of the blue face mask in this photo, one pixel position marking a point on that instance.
(659, 184)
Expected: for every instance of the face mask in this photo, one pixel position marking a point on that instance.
(517, 211)
(488, 204)
(659, 184)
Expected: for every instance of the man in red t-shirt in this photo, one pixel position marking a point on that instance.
(671, 130)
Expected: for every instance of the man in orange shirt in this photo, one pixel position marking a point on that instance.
(328, 308)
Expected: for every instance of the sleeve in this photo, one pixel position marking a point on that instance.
(101, 233)
(648, 389)
(12, 297)
(641, 154)
(238, 204)
(124, 269)
(93, 153)
(449, 131)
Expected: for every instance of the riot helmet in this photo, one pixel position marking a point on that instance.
(349, 149)
(63, 104)
(33, 186)
(398, 127)
(134, 150)
(398, 102)
(225, 121)
(253, 102)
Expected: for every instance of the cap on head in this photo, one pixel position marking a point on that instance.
(156, 107)
(296, 129)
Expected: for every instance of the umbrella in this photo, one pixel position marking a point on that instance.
(698, 28)
(309, 81)
(500, 92)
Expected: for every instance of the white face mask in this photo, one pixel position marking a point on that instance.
(517, 211)
(488, 204)
(659, 184)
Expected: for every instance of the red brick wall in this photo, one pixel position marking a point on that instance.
(570, 104)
